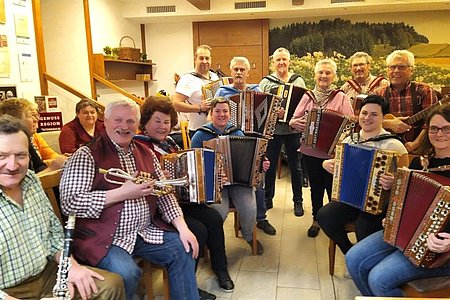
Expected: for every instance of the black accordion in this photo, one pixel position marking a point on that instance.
(419, 206)
(357, 171)
(243, 158)
(291, 96)
(203, 168)
(255, 112)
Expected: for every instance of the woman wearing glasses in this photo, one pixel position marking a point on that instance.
(376, 267)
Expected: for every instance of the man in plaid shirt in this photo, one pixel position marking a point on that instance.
(406, 97)
(117, 222)
(31, 236)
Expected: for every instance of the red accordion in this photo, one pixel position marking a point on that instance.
(419, 206)
(325, 128)
(291, 96)
(255, 112)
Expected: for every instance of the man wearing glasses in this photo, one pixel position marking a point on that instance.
(362, 82)
(406, 98)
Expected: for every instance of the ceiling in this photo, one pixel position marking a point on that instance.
(209, 10)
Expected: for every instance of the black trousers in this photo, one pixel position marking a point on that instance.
(207, 226)
(333, 216)
(319, 182)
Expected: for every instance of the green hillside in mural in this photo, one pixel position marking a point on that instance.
(343, 36)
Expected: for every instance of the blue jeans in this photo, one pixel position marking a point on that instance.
(243, 199)
(378, 269)
(291, 143)
(170, 254)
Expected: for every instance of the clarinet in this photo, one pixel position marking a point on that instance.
(61, 288)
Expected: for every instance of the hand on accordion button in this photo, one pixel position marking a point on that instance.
(439, 243)
(386, 180)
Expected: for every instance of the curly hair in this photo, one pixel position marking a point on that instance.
(157, 103)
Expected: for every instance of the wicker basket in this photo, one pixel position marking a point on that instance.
(128, 53)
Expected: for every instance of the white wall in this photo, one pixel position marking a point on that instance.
(24, 89)
(170, 47)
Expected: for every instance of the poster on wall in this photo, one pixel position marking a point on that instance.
(2, 12)
(26, 67)
(22, 31)
(5, 64)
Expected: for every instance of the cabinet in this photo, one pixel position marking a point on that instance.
(116, 70)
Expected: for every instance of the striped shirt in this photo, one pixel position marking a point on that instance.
(30, 235)
(77, 196)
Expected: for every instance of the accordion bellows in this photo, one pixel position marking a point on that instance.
(203, 168)
(242, 156)
(356, 176)
(419, 206)
(255, 112)
(325, 128)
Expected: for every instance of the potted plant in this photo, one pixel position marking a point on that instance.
(115, 52)
(108, 51)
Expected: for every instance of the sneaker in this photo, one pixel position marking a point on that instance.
(265, 226)
(204, 295)
(259, 247)
(225, 282)
(298, 209)
(269, 204)
(313, 231)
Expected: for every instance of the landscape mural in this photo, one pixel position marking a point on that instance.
(338, 39)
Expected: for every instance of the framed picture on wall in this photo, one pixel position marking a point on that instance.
(2, 12)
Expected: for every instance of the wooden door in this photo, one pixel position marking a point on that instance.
(247, 38)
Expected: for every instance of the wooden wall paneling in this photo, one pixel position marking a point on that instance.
(247, 38)
(223, 55)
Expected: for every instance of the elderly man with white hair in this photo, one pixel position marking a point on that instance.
(406, 97)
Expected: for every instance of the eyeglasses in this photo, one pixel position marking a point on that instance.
(399, 67)
(359, 65)
(435, 129)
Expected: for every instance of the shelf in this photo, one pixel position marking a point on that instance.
(116, 69)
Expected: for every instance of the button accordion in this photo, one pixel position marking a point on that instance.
(209, 90)
(255, 112)
(203, 168)
(356, 178)
(243, 158)
(419, 206)
(325, 128)
(291, 96)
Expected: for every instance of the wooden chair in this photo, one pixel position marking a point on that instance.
(185, 134)
(49, 181)
(148, 269)
(438, 287)
(349, 227)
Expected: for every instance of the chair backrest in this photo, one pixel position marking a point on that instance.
(52, 139)
(185, 134)
(50, 181)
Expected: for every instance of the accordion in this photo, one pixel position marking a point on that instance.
(325, 128)
(255, 112)
(242, 156)
(209, 90)
(419, 206)
(356, 176)
(291, 96)
(203, 168)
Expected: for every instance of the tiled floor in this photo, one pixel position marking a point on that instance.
(293, 265)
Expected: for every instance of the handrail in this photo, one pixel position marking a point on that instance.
(117, 89)
(70, 89)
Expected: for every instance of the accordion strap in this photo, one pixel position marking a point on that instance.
(380, 137)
